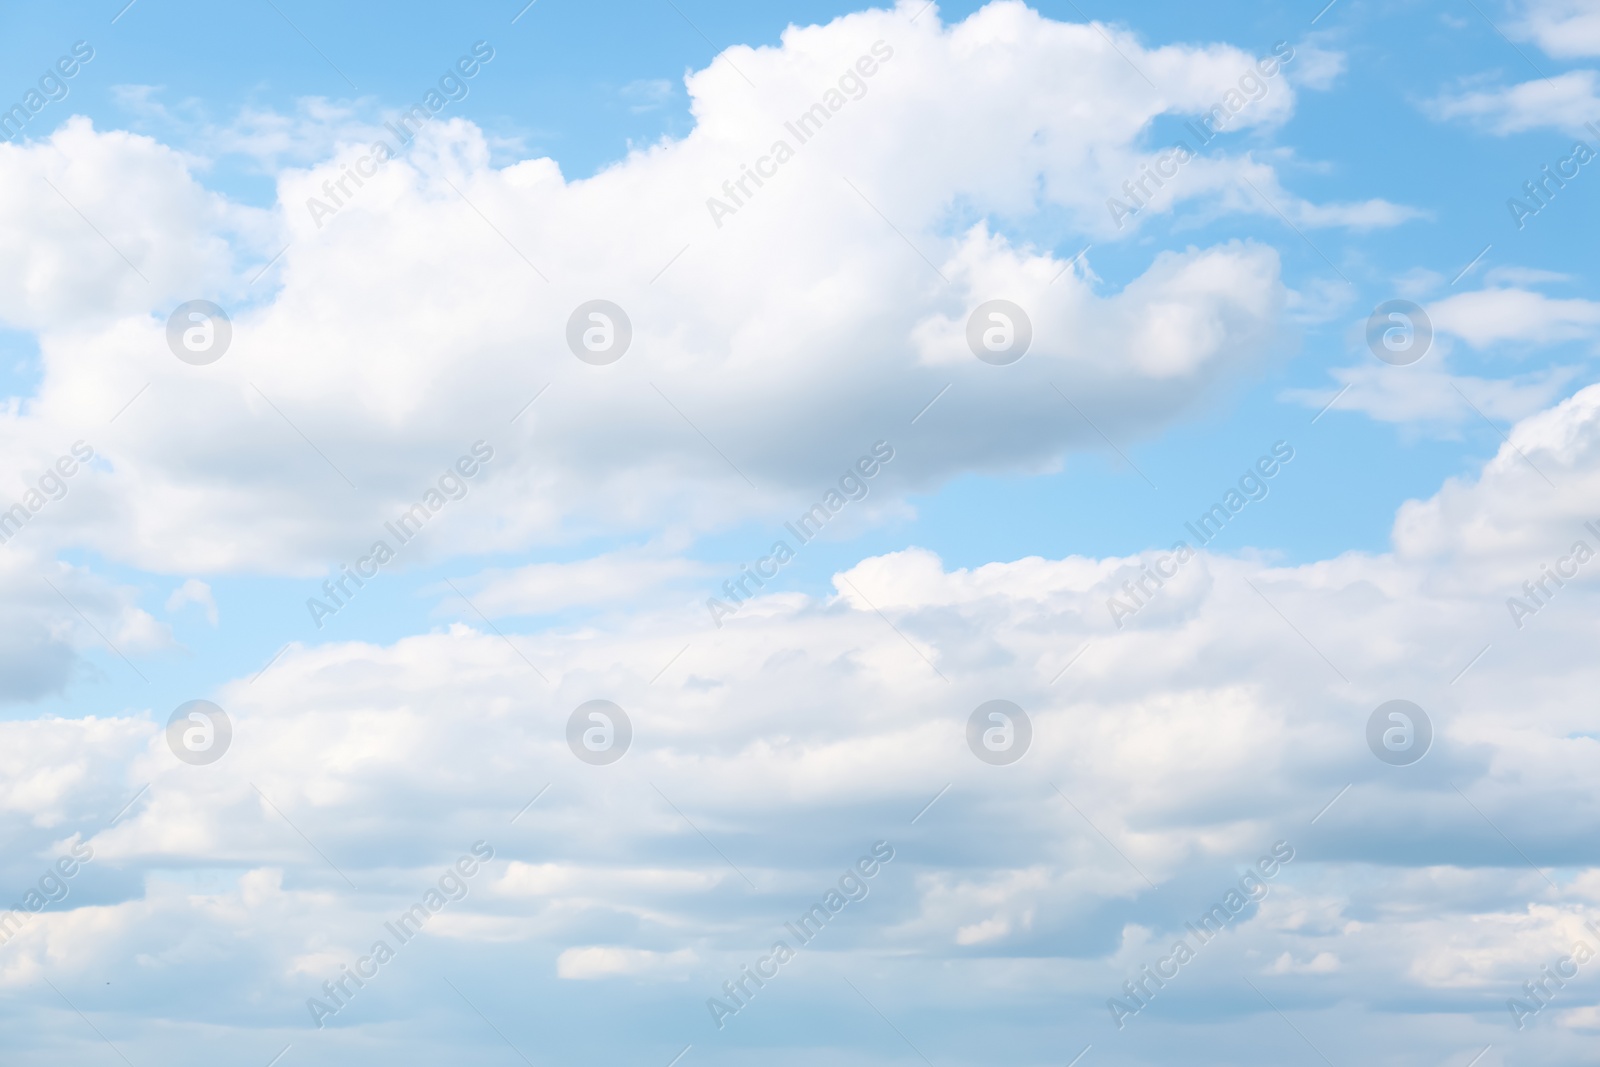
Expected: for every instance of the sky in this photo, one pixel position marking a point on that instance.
(672, 532)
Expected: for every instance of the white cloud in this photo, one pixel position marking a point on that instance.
(56, 611)
(1317, 68)
(768, 752)
(1193, 736)
(610, 961)
(413, 322)
(1496, 316)
(1503, 319)
(1569, 102)
(1527, 520)
(104, 225)
(545, 588)
(1216, 184)
(1567, 29)
(269, 139)
(194, 591)
(1321, 963)
(648, 94)
(1586, 1019)
(1428, 398)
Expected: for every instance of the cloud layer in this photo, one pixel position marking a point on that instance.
(1167, 752)
(403, 357)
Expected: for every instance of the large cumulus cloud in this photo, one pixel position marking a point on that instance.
(768, 345)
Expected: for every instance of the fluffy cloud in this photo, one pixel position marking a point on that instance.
(1528, 519)
(58, 610)
(1428, 398)
(770, 346)
(1498, 315)
(1567, 102)
(1226, 715)
(195, 592)
(103, 225)
(1503, 319)
(1569, 29)
(1169, 749)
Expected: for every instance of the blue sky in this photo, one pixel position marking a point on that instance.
(1173, 743)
